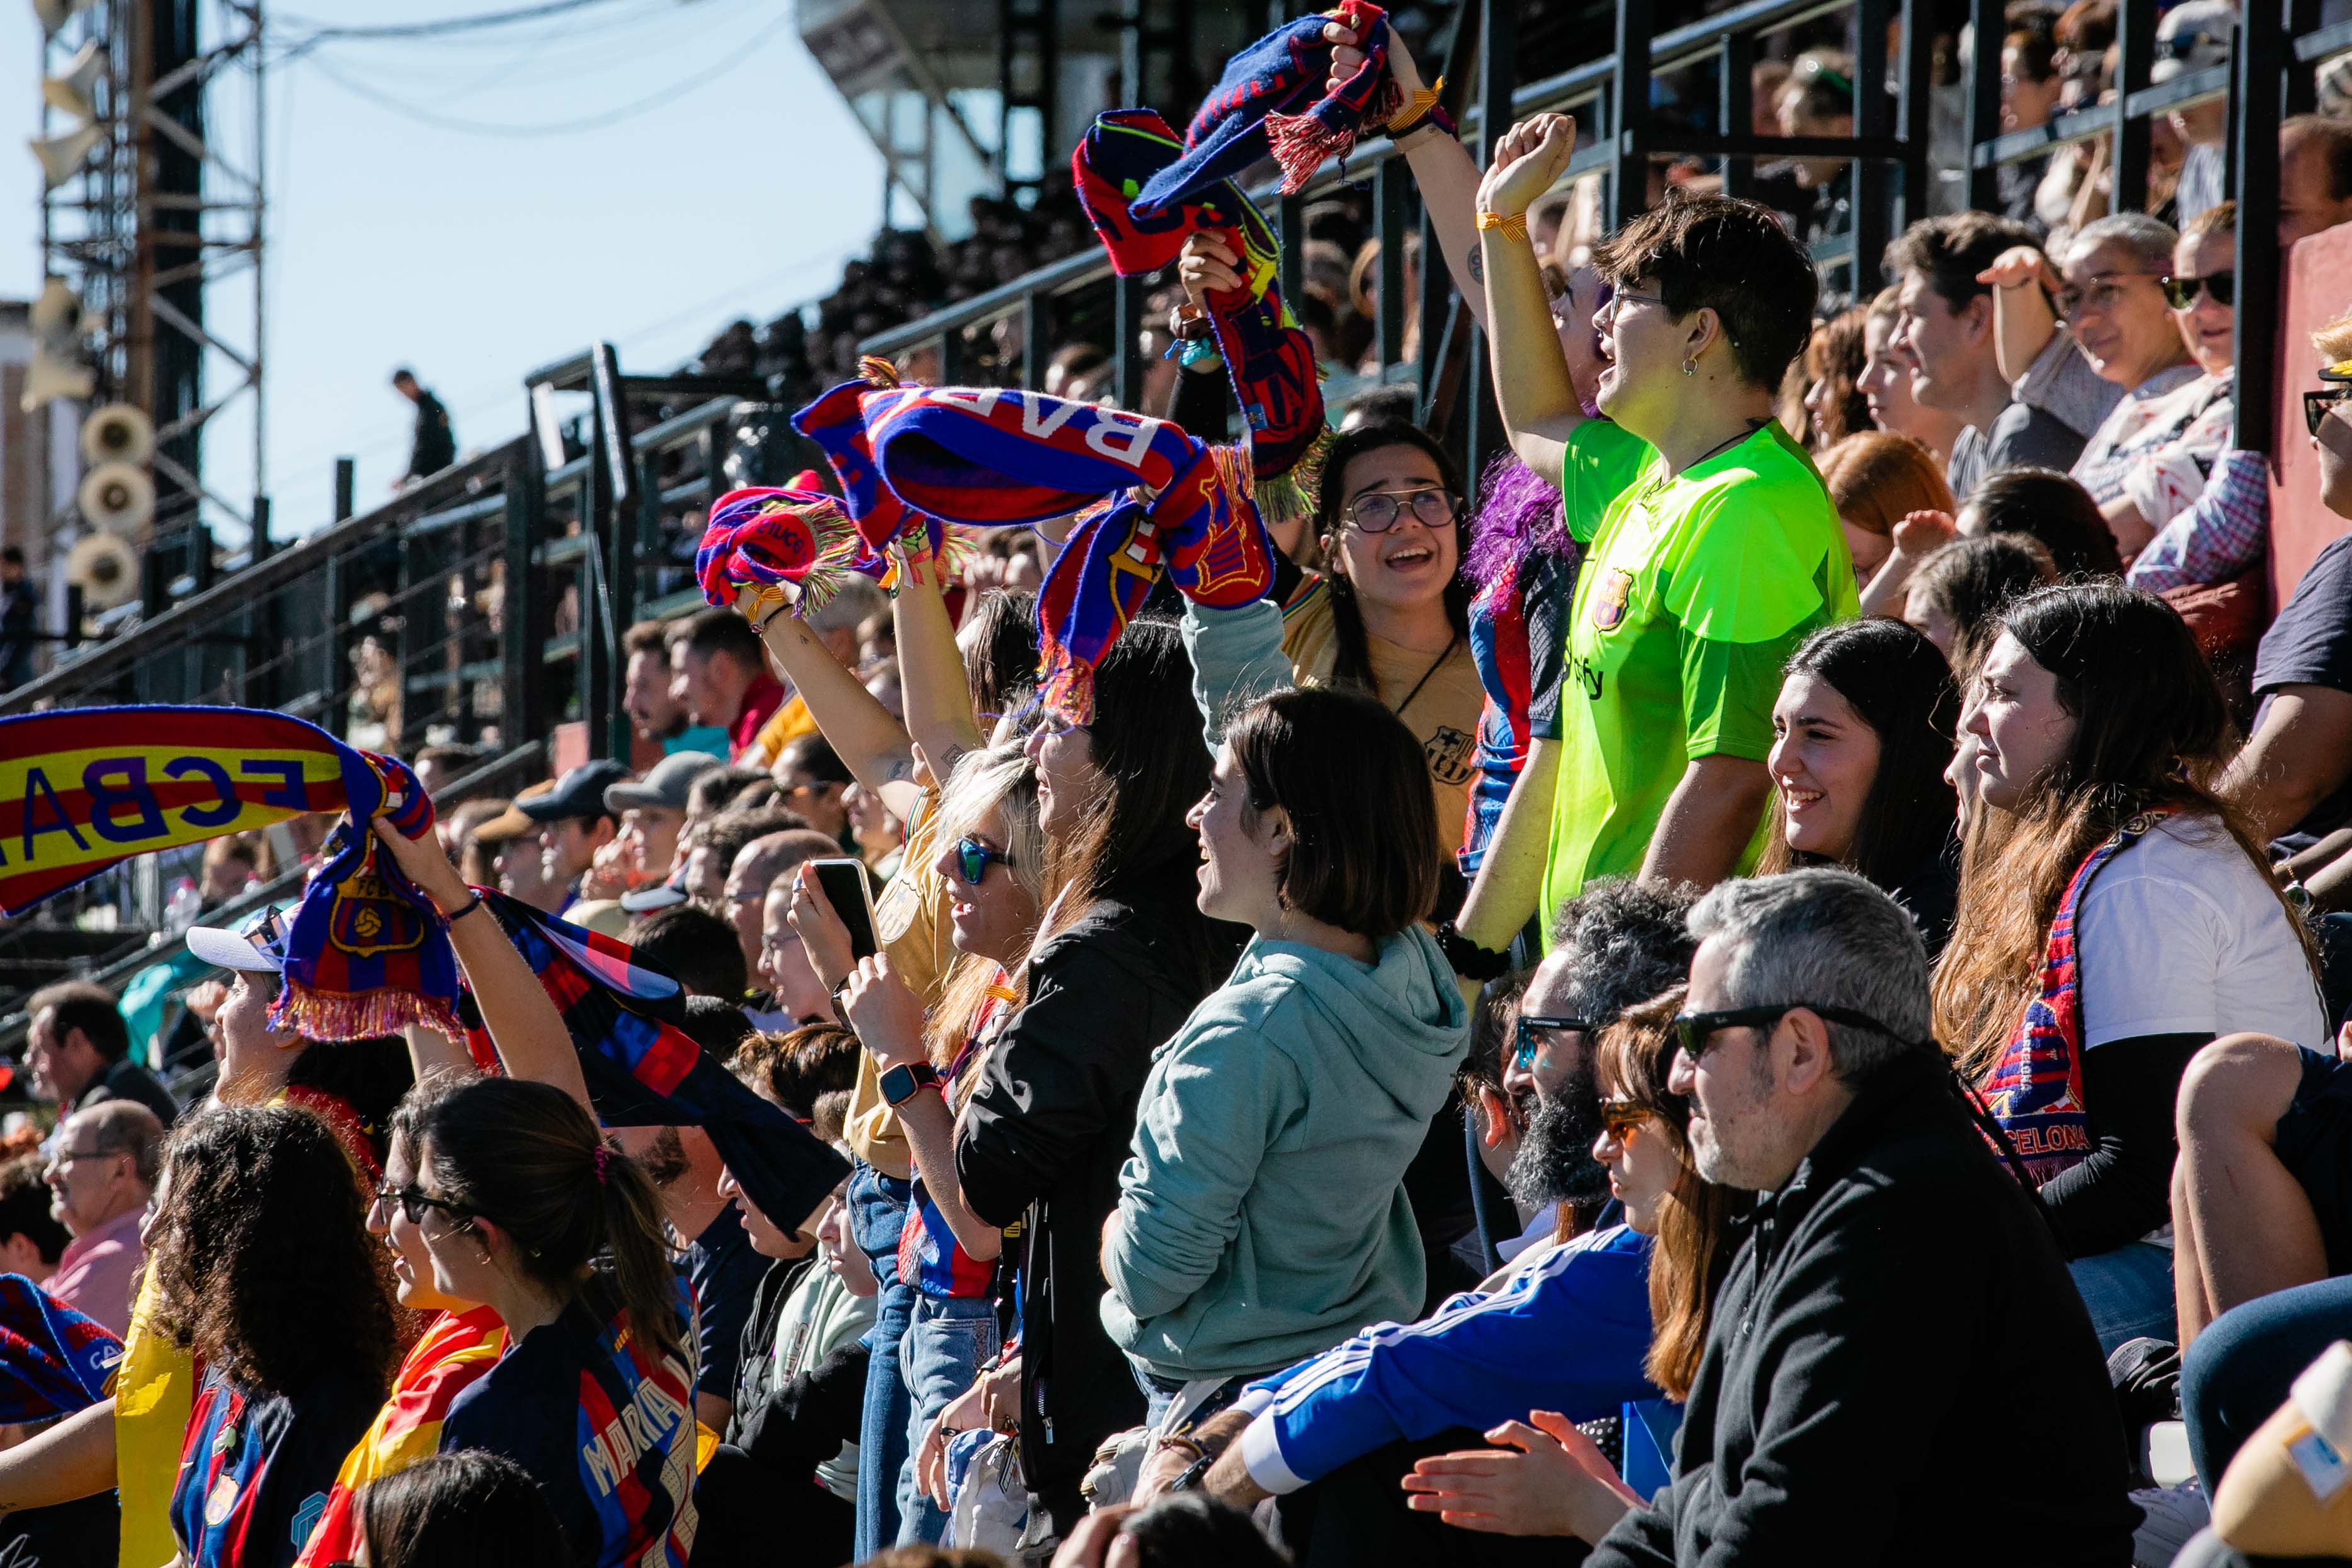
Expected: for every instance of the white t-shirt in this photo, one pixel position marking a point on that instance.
(2180, 934)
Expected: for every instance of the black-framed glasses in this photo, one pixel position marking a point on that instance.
(2317, 405)
(1382, 511)
(1529, 1030)
(1621, 298)
(1621, 1118)
(973, 856)
(59, 1162)
(2101, 291)
(414, 1200)
(2180, 293)
(1696, 1031)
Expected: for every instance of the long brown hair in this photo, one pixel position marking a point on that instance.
(1351, 665)
(2150, 733)
(1695, 1237)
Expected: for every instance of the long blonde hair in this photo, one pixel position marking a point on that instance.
(1000, 780)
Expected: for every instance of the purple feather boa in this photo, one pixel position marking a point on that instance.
(1519, 509)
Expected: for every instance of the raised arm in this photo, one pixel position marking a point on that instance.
(520, 1017)
(1441, 166)
(1532, 386)
(2022, 319)
(871, 744)
(939, 717)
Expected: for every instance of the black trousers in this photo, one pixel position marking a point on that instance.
(747, 1515)
(1356, 1518)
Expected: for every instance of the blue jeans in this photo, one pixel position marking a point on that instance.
(877, 1213)
(1160, 1395)
(2129, 1293)
(939, 1359)
(2237, 1373)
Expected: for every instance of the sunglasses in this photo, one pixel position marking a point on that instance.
(1696, 1031)
(1528, 1029)
(2221, 288)
(973, 856)
(414, 1200)
(1620, 1119)
(2317, 405)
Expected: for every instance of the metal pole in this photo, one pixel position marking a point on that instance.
(2136, 49)
(1629, 181)
(523, 670)
(346, 482)
(1500, 35)
(1126, 326)
(1873, 191)
(2254, 132)
(1388, 217)
(1736, 106)
(1036, 347)
(1985, 28)
(1917, 81)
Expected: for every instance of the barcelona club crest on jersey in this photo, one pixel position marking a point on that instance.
(1608, 597)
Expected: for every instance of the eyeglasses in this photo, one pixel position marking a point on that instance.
(414, 1200)
(2221, 288)
(1379, 512)
(1620, 1119)
(1528, 1028)
(1625, 297)
(973, 856)
(2103, 291)
(60, 1161)
(2317, 405)
(1696, 1030)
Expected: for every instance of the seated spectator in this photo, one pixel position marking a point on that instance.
(1494, 1122)
(1949, 326)
(834, 625)
(2315, 190)
(1833, 362)
(1862, 735)
(720, 675)
(2030, 86)
(2196, 37)
(761, 877)
(438, 767)
(461, 838)
(1313, 1071)
(708, 795)
(1955, 597)
(695, 946)
(1886, 382)
(232, 864)
(1175, 1532)
(102, 1170)
(2051, 508)
(1875, 480)
(79, 1050)
(1815, 1081)
(32, 1241)
(467, 1510)
(655, 710)
(880, 837)
(798, 1068)
(809, 779)
(714, 845)
(2154, 925)
(574, 823)
(652, 814)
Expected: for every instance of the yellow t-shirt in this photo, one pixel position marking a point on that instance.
(154, 1390)
(910, 921)
(785, 725)
(1440, 701)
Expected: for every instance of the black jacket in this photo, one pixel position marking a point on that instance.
(126, 1079)
(1898, 1370)
(792, 1423)
(1045, 1135)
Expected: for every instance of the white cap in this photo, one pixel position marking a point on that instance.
(258, 947)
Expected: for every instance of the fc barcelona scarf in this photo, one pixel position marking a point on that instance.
(53, 1360)
(1154, 499)
(2035, 1087)
(1269, 359)
(85, 788)
(791, 544)
(643, 1070)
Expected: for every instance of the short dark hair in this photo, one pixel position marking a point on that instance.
(1492, 1023)
(1181, 1529)
(697, 947)
(1731, 257)
(25, 1208)
(403, 374)
(797, 1067)
(724, 631)
(2335, 139)
(813, 755)
(88, 1008)
(729, 833)
(1971, 581)
(717, 1025)
(713, 787)
(1949, 251)
(13, 555)
(2053, 508)
(1355, 784)
(1630, 941)
(468, 1509)
(647, 637)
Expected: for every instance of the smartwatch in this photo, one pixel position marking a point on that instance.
(900, 1084)
(1469, 960)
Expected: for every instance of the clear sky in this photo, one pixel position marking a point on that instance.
(474, 257)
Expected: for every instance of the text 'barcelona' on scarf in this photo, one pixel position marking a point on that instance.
(643, 1070)
(82, 789)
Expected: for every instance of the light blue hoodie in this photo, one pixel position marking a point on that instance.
(1262, 1214)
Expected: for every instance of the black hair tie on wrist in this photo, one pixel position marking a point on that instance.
(470, 906)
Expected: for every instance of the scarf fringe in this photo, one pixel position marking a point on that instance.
(1300, 142)
(1068, 688)
(1297, 493)
(877, 373)
(328, 1015)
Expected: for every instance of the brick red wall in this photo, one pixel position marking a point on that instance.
(2319, 290)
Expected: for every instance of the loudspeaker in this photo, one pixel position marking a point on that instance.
(56, 316)
(71, 93)
(105, 569)
(49, 378)
(118, 433)
(118, 498)
(62, 156)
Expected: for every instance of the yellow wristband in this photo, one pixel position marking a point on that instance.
(1514, 226)
(1416, 107)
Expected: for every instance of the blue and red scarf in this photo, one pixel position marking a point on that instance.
(2035, 1087)
(82, 789)
(643, 1070)
(791, 544)
(1154, 498)
(53, 1360)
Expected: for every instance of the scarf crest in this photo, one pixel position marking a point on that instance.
(83, 789)
(2034, 1090)
(53, 1360)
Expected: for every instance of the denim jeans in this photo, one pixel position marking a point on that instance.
(1160, 1394)
(2129, 1293)
(877, 1213)
(2240, 1369)
(939, 1358)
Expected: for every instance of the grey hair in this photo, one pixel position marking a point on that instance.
(1824, 936)
(126, 1127)
(989, 779)
(856, 599)
(2149, 242)
(1629, 941)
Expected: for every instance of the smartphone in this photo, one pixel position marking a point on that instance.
(845, 888)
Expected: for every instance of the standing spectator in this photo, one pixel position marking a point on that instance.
(2029, 84)
(2050, 507)
(508, 846)
(102, 1172)
(32, 1241)
(1887, 365)
(655, 711)
(435, 446)
(764, 870)
(653, 812)
(2315, 190)
(575, 823)
(1955, 597)
(79, 1050)
(1951, 324)
(1687, 603)
(720, 673)
(20, 610)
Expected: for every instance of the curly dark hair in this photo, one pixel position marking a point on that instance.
(260, 1254)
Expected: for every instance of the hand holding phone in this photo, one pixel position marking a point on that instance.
(845, 887)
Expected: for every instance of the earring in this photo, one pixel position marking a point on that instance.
(1690, 367)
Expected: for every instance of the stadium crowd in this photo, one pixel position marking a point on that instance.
(1678, 1009)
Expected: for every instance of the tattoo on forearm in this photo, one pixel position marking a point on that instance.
(1477, 263)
